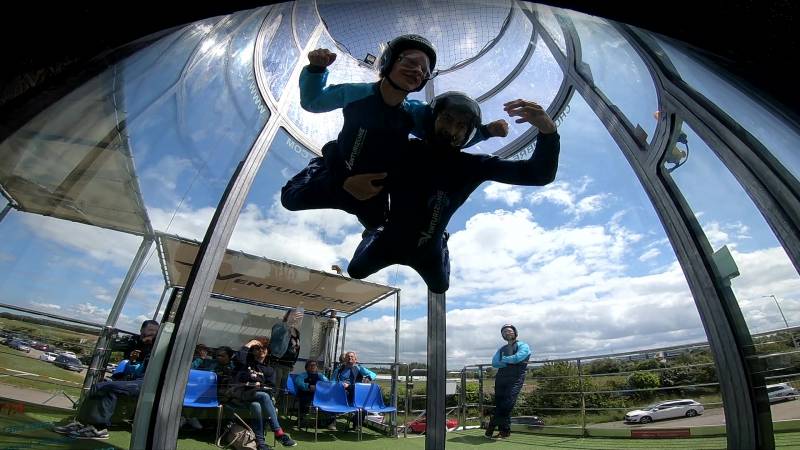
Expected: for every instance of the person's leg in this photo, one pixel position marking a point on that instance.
(432, 263)
(102, 401)
(281, 374)
(268, 409)
(257, 421)
(372, 254)
(511, 400)
(311, 188)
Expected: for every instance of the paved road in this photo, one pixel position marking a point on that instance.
(713, 416)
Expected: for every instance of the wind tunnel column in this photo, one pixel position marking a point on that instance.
(437, 370)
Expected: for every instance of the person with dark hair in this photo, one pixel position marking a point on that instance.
(430, 180)
(306, 384)
(511, 362)
(284, 348)
(225, 369)
(202, 360)
(350, 373)
(96, 410)
(251, 386)
(377, 121)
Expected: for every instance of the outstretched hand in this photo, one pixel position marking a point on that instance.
(531, 112)
(321, 57)
(361, 186)
(498, 128)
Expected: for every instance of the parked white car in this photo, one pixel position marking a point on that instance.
(70, 354)
(665, 410)
(781, 391)
(48, 356)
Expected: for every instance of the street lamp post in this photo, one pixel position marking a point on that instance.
(785, 322)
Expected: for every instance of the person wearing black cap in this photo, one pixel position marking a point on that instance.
(511, 360)
(431, 179)
(377, 121)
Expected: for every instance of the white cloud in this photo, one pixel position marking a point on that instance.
(506, 193)
(45, 305)
(568, 197)
(649, 254)
(98, 243)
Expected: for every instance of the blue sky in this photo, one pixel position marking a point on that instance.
(581, 266)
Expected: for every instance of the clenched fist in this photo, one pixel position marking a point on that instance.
(321, 57)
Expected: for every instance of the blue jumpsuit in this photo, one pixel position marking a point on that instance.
(511, 362)
(372, 134)
(427, 185)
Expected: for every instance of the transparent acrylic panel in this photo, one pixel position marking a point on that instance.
(618, 71)
(324, 127)
(547, 17)
(459, 29)
(730, 219)
(539, 81)
(482, 74)
(773, 132)
(575, 261)
(129, 149)
(280, 53)
(305, 20)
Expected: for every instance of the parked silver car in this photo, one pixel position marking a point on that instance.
(781, 391)
(20, 345)
(665, 410)
(48, 356)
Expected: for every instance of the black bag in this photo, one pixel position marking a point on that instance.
(237, 435)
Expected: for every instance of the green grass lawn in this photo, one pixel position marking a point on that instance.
(31, 430)
(17, 360)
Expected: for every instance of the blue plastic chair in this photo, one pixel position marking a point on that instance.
(201, 392)
(331, 398)
(369, 398)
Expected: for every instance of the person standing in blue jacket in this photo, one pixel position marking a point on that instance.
(377, 121)
(511, 360)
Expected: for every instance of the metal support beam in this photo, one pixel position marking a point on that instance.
(396, 371)
(437, 371)
(100, 355)
(5, 211)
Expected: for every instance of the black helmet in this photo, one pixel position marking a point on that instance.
(508, 325)
(402, 43)
(461, 102)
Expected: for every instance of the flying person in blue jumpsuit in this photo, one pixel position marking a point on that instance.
(377, 121)
(511, 360)
(430, 180)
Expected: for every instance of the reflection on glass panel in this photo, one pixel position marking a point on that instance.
(459, 29)
(588, 248)
(223, 354)
(184, 163)
(538, 81)
(305, 20)
(747, 254)
(618, 71)
(730, 220)
(549, 21)
(312, 239)
(481, 75)
(773, 132)
(324, 127)
(129, 149)
(280, 54)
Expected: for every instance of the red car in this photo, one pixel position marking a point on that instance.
(419, 425)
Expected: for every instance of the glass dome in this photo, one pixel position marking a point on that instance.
(153, 191)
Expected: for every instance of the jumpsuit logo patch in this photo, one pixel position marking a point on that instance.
(357, 145)
(438, 201)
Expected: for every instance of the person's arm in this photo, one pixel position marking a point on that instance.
(523, 352)
(316, 96)
(367, 373)
(498, 128)
(496, 362)
(539, 170)
(269, 377)
(300, 381)
(322, 377)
